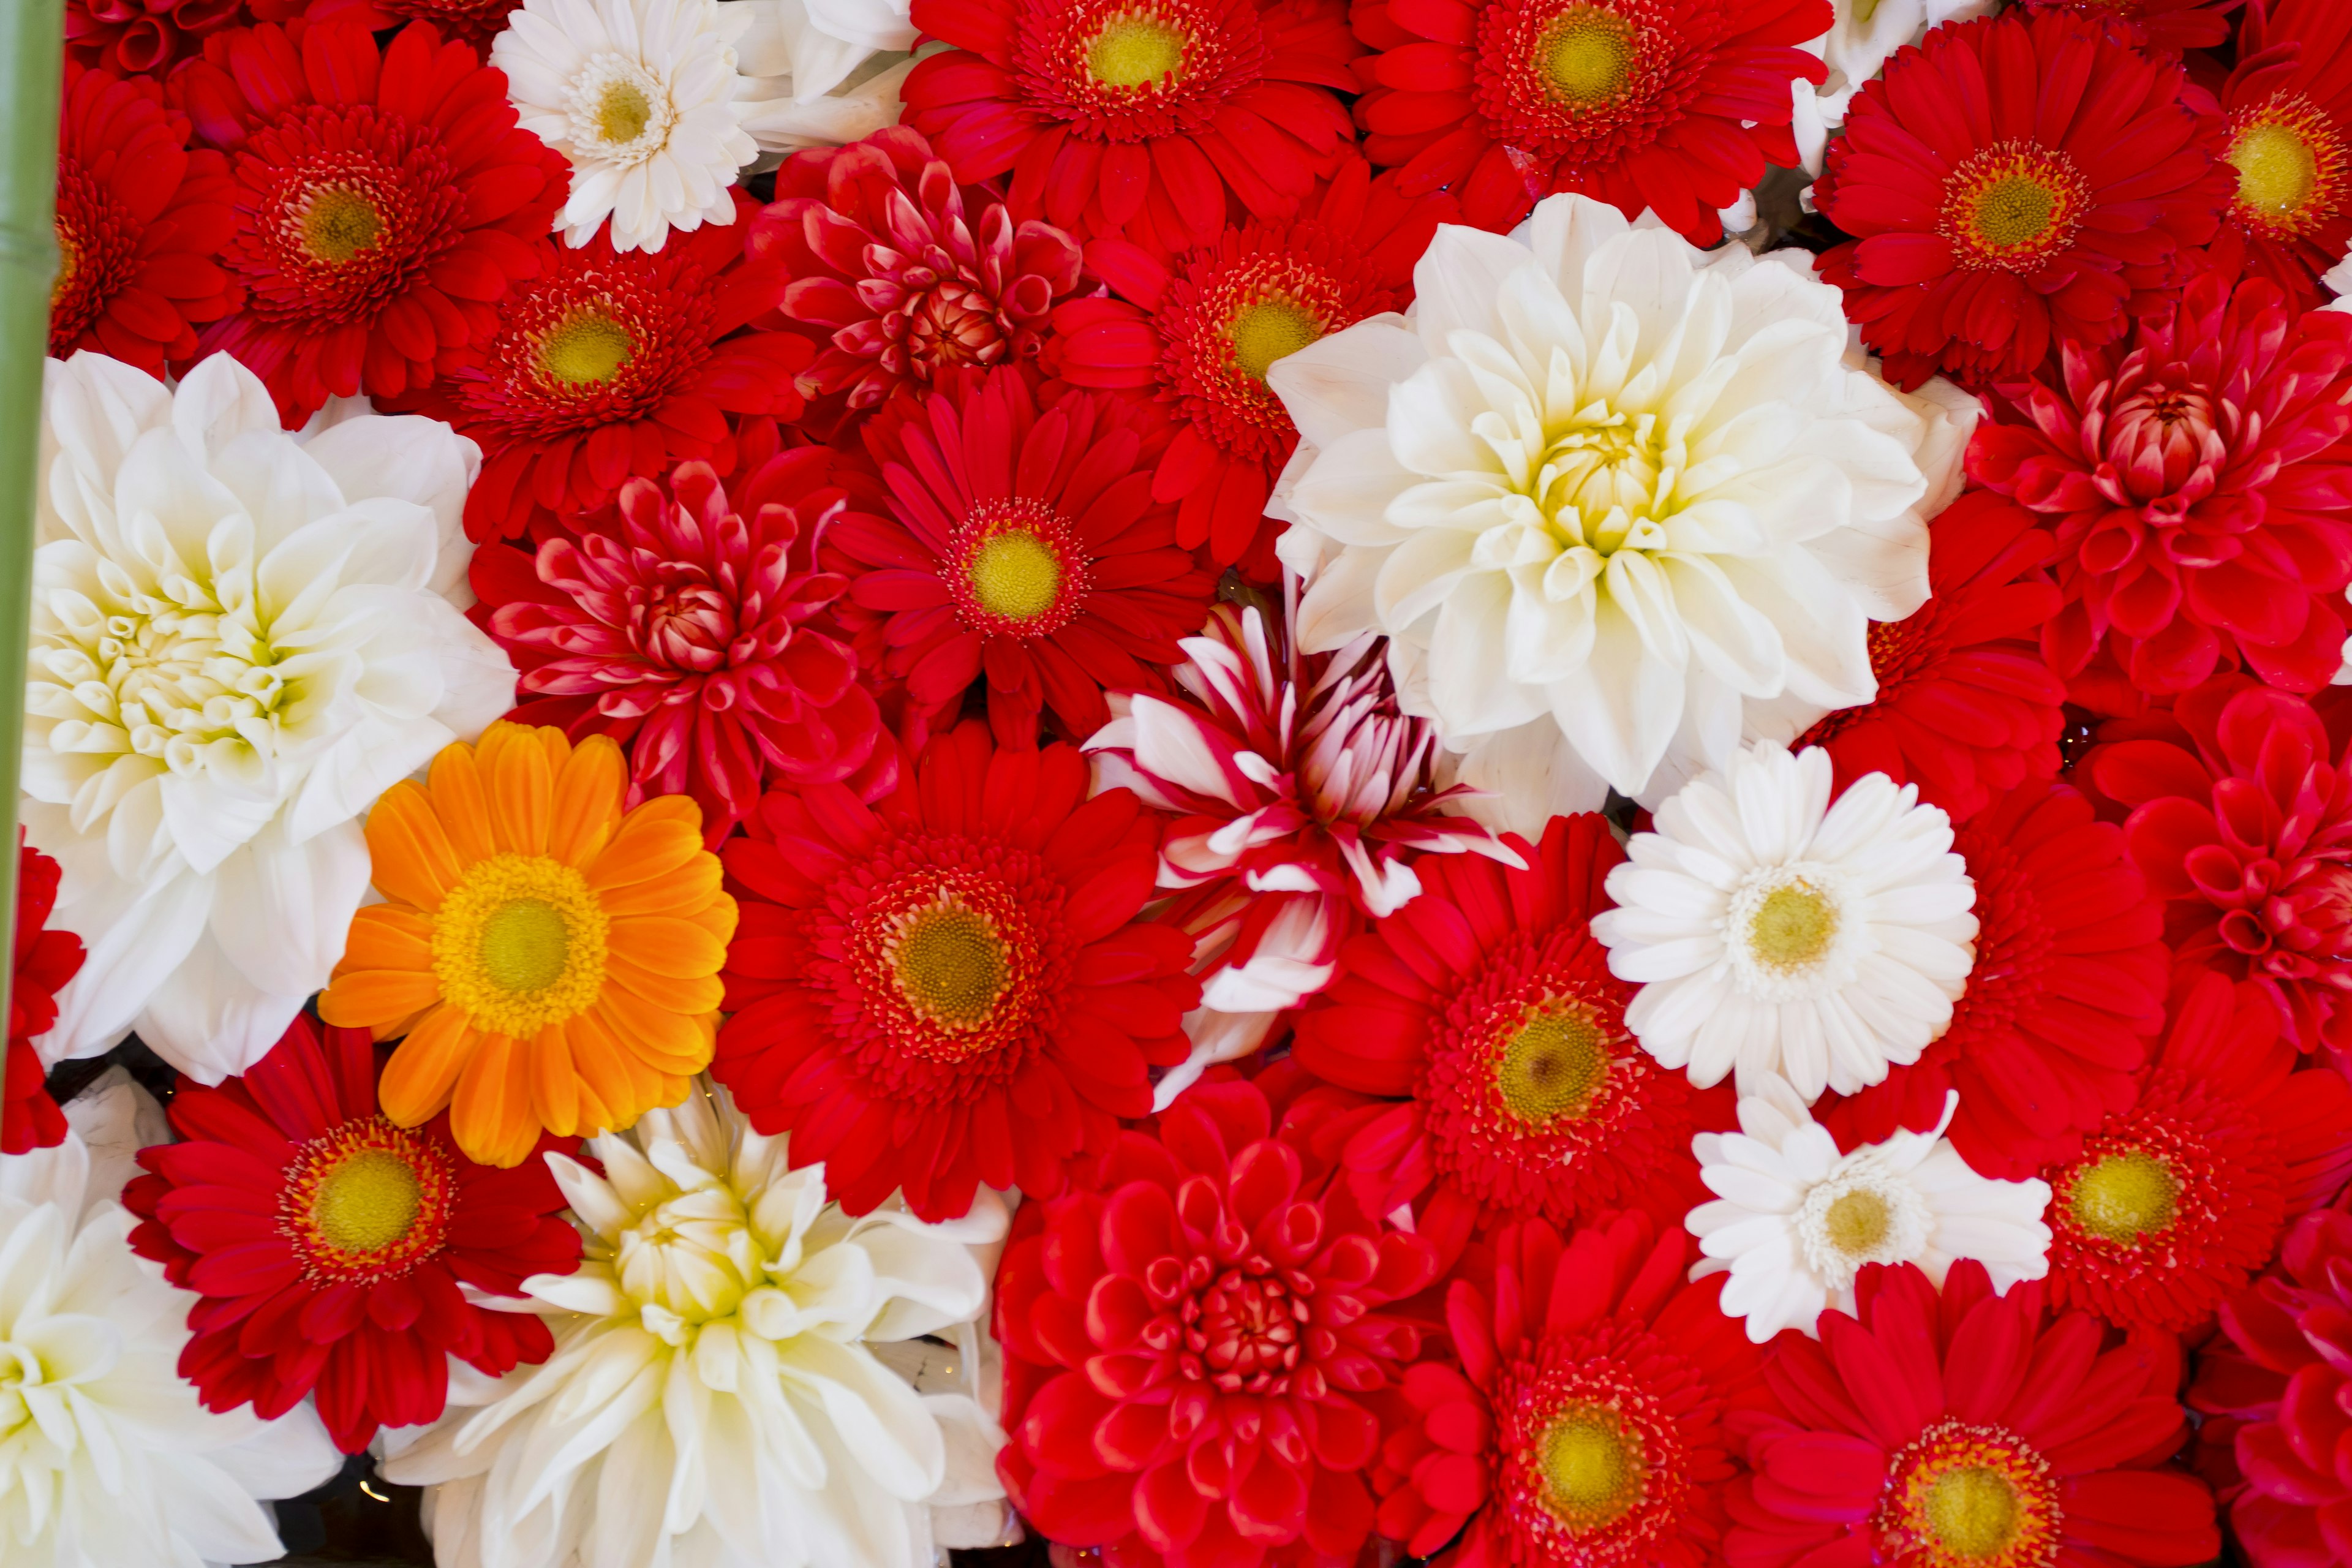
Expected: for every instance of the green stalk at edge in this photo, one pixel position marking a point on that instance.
(31, 42)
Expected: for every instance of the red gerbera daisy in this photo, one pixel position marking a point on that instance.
(2290, 145)
(1189, 1347)
(385, 202)
(1970, 1430)
(2175, 1202)
(1020, 543)
(328, 1244)
(140, 221)
(2165, 27)
(2013, 183)
(2196, 475)
(1966, 707)
(44, 960)
(473, 23)
(2067, 986)
(1641, 103)
(951, 987)
(1594, 1418)
(1150, 119)
(1199, 331)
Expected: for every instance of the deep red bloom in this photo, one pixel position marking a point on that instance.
(1970, 1428)
(385, 202)
(44, 960)
(1966, 707)
(473, 23)
(2013, 183)
(147, 37)
(1593, 1419)
(1150, 119)
(1200, 331)
(2290, 145)
(328, 1244)
(2067, 987)
(2160, 27)
(2197, 477)
(952, 986)
(1021, 543)
(1673, 105)
(1189, 1346)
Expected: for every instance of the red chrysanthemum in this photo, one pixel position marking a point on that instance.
(1966, 707)
(329, 1246)
(1020, 543)
(386, 200)
(1199, 332)
(1150, 119)
(1193, 1348)
(44, 960)
(952, 986)
(1971, 1429)
(1487, 1008)
(2012, 184)
(1593, 1420)
(2290, 146)
(2197, 477)
(1673, 105)
(2175, 1202)
(140, 220)
(2067, 987)
(2163, 27)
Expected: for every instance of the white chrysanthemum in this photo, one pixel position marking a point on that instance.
(1603, 486)
(645, 99)
(107, 1455)
(821, 73)
(1772, 932)
(1794, 1220)
(1855, 49)
(722, 1393)
(240, 639)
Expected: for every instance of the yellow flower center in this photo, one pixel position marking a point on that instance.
(623, 112)
(1272, 328)
(1972, 1512)
(1793, 926)
(2012, 207)
(1136, 49)
(524, 944)
(68, 263)
(1857, 1222)
(1016, 575)
(2278, 171)
(2125, 1196)
(1585, 57)
(1554, 1064)
(1970, 1497)
(951, 964)
(1593, 1469)
(338, 224)
(585, 348)
(2015, 211)
(520, 944)
(367, 1201)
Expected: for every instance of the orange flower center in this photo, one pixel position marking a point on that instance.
(1970, 1497)
(1585, 57)
(2012, 207)
(2289, 160)
(367, 1201)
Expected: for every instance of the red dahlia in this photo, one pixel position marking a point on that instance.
(1593, 1420)
(2162, 26)
(2013, 183)
(1199, 331)
(1151, 119)
(1189, 1347)
(147, 37)
(1021, 543)
(952, 986)
(2196, 475)
(45, 960)
(1970, 1430)
(2290, 145)
(2176, 1201)
(1673, 105)
(329, 1246)
(385, 202)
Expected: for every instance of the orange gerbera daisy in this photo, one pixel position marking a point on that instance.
(552, 960)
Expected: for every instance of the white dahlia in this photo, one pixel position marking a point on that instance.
(821, 73)
(1600, 483)
(240, 639)
(645, 99)
(1773, 932)
(724, 1391)
(1794, 1220)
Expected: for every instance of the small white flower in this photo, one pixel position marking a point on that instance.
(822, 73)
(644, 98)
(1794, 1220)
(2338, 279)
(1772, 932)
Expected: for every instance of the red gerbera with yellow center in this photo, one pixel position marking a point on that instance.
(952, 986)
(43, 962)
(328, 1244)
(2290, 146)
(385, 200)
(1641, 103)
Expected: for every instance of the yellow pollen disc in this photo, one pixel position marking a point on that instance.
(1585, 57)
(1856, 1223)
(520, 943)
(68, 263)
(1793, 927)
(1272, 329)
(584, 348)
(367, 1201)
(951, 965)
(1592, 1467)
(1554, 1064)
(1135, 51)
(1972, 1512)
(1016, 574)
(623, 112)
(2278, 171)
(338, 225)
(2125, 1196)
(524, 944)
(2015, 211)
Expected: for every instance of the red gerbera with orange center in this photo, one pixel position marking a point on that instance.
(952, 985)
(44, 960)
(2289, 146)
(385, 200)
(2013, 184)
(328, 1244)
(1677, 107)
(1150, 119)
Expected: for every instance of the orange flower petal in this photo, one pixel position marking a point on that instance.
(668, 945)
(413, 859)
(699, 995)
(554, 1083)
(686, 891)
(386, 936)
(365, 997)
(489, 1112)
(523, 788)
(671, 1041)
(423, 1068)
(655, 840)
(588, 793)
(720, 917)
(456, 782)
(602, 1070)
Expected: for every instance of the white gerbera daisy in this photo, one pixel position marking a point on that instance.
(1794, 1220)
(644, 98)
(1775, 932)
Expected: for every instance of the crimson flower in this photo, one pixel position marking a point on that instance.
(147, 37)
(385, 202)
(2290, 146)
(1972, 1430)
(329, 1246)
(1150, 119)
(2163, 26)
(1641, 103)
(2050, 212)
(44, 960)
(1194, 1346)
